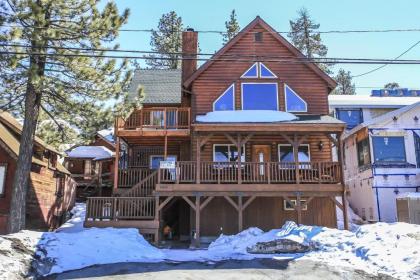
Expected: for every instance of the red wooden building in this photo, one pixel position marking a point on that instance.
(51, 191)
(244, 140)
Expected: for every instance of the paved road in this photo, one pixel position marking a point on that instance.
(255, 269)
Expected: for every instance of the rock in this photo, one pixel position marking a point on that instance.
(279, 246)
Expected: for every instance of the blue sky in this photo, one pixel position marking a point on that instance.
(331, 14)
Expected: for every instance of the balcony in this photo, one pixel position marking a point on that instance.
(156, 122)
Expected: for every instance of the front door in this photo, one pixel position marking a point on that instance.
(261, 154)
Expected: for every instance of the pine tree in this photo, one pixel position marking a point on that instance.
(306, 38)
(345, 85)
(232, 27)
(167, 40)
(392, 85)
(41, 70)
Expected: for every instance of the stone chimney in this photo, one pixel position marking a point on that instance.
(189, 50)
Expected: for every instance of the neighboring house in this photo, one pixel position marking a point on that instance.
(51, 191)
(382, 160)
(356, 109)
(92, 166)
(233, 144)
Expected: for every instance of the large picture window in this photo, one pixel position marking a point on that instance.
(226, 101)
(226, 153)
(286, 153)
(2, 178)
(259, 96)
(389, 149)
(363, 152)
(352, 117)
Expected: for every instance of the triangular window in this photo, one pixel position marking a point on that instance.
(226, 101)
(265, 72)
(252, 72)
(294, 103)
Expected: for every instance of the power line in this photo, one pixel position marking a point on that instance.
(380, 67)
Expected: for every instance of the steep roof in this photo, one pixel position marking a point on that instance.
(160, 86)
(365, 101)
(385, 117)
(259, 21)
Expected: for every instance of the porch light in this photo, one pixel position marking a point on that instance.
(320, 145)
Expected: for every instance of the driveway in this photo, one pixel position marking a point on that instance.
(254, 269)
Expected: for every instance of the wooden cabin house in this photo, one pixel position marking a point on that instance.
(51, 191)
(244, 140)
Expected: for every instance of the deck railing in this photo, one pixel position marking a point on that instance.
(252, 172)
(157, 118)
(120, 208)
(130, 176)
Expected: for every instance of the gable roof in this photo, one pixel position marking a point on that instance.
(259, 21)
(160, 86)
(382, 118)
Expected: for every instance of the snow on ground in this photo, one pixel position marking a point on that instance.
(246, 116)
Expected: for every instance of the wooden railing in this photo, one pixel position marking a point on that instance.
(131, 176)
(120, 208)
(143, 188)
(157, 118)
(252, 172)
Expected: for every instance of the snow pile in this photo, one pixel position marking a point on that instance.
(74, 247)
(246, 116)
(354, 220)
(93, 152)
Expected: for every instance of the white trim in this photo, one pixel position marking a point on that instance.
(151, 156)
(289, 145)
(256, 83)
(228, 145)
(285, 99)
(302, 201)
(258, 72)
(220, 96)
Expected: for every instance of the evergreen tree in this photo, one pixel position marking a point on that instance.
(167, 40)
(306, 38)
(392, 85)
(345, 85)
(41, 70)
(232, 27)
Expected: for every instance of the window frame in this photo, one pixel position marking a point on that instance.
(286, 86)
(289, 145)
(367, 142)
(163, 156)
(287, 208)
(220, 96)
(3, 184)
(382, 161)
(257, 83)
(338, 110)
(268, 69)
(229, 145)
(252, 77)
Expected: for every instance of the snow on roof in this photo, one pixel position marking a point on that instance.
(93, 152)
(364, 101)
(108, 134)
(246, 116)
(415, 195)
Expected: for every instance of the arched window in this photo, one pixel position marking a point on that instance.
(294, 103)
(226, 101)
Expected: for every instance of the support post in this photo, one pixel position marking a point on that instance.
(116, 163)
(165, 155)
(298, 209)
(345, 215)
(340, 151)
(240, 214)
(197, 160)
(197, 222)
(239, 147)
(296, 158)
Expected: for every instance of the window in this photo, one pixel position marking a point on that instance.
(88, 168)
(227, 152)
(417, 147)
(352, 117)
(156, 159)
(294, 103)
(389, 149)
(265, 72)
(252, 72)
(3, 168)
(259, 96)
(226, 101)
(258, 36)
(291, 207)
(286, 153)
(363, 152)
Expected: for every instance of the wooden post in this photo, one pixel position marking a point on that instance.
(298, 209)
(239, 147)
(240, 214)
(116, 163)
(345, 214)
(99, 177)
(165, 155)
(296, 157)
(197, 160)
(340, 150)
(197, 222)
